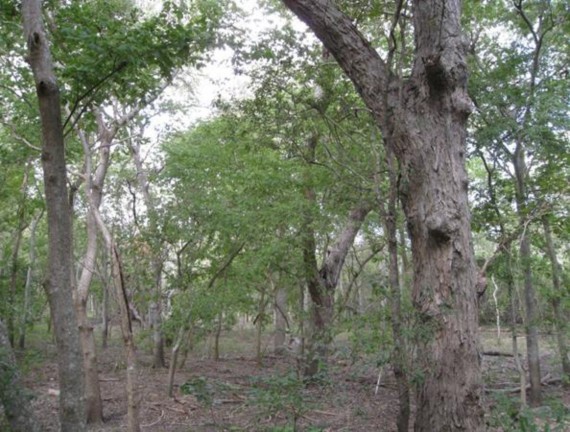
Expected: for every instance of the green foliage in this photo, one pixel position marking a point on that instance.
(509, 417)
(280, 395)
(201, 388)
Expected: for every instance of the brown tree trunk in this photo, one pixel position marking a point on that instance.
(16, 404)
(428, 127)
(59, 287)
(559, 315)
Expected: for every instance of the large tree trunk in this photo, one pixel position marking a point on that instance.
(16, 404)
(428, 127)
(59, 287)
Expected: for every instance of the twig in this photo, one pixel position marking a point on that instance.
(155, 422)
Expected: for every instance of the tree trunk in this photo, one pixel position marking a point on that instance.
(59, 287)
(16, 242)
(156, 260)
(399, 363)
(559, 316)
(16, 404)
(105, 333)
(94, 191)
(533, 355)
(118, 280)
(217, 335)
(259, 324)
(427, 123)
(29, 281)
(280, 320)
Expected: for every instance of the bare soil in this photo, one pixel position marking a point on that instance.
(235, 394)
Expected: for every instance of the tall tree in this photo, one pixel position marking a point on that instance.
(59, 286)
(426, 128)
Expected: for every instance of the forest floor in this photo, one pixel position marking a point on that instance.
(235, 394)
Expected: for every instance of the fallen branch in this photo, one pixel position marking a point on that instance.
(546, 380)
(497, 354)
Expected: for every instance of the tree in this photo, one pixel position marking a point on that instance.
(425, 126)
(59, 286)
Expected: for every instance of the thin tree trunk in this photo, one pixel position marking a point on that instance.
(399, 363)
(16, 404)
(16, 242)
(259, 324)
(514, 314)
(105, 314)
(29, 281)
(118, 280)
(156, 260)
(533, 354)
(559, 316)
(280, 319)
(59, 286)
(427, 125)
(217, 334)
(94, 191)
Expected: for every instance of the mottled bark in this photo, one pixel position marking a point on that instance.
(427, 124)
(59, 287)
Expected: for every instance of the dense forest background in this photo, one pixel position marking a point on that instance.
(223, 178)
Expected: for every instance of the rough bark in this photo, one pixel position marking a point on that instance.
(59, 287)
(559, 316)
(16, 404)
(428, 127)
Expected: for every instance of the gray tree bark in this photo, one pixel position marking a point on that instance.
(427, 123)
(59, 286)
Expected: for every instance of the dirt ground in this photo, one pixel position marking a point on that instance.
(235, 394)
